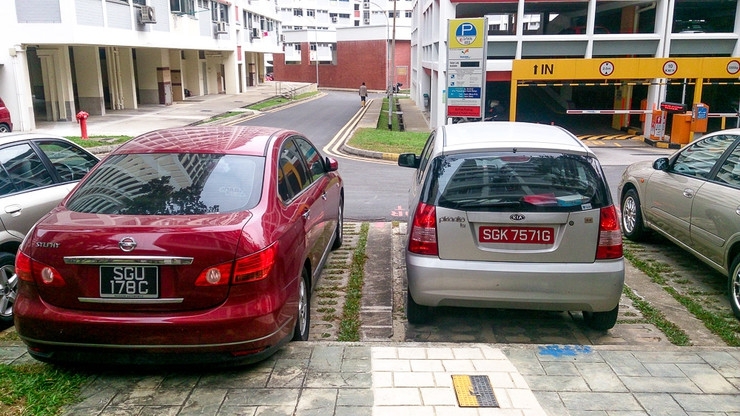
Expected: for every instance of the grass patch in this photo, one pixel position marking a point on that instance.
(349, 327)
(386, 141)
(95, 141)
(723, 324)
(278, 101)
(675, 335)
(37, 389)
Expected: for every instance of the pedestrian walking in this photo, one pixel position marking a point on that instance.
(363, 94)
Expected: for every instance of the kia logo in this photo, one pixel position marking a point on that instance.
(127, 244)
(516, 217)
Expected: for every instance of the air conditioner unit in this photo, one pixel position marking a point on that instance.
(221, 27)
(282, 38)
(366, 5)
(333, 19)
(256, 34)
(367, 20)
(146, 15)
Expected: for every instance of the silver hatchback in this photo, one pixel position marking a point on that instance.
(511, 215)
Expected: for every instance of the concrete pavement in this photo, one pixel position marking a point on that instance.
(382, 375)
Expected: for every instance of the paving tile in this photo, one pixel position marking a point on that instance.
(338, 380)
(391, 365)
(660, 404)
(151, 397)
(412, 353)
(353, 411)
(664, 370)
(413, 379)
(557, 383)
(435, 396)
(667, 357)
(319, 402)
(406, 396)
(660, 385)
(708, 402)
(426, 365)
(708, 379)
(458, 365)
(204, 401)
(262, 397)
(355, 397)
(623, 363)
(722, 361)
(599, 377)
(610, 402)
(558, 368)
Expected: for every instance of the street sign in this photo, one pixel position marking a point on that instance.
(466, 67)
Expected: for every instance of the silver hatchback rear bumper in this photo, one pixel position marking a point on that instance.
(593, 287)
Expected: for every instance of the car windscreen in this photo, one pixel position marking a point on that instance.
(171, 184)
(520, 181)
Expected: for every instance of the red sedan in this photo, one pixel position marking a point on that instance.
(184, 245)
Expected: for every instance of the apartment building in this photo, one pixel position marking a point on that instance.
(63, 56)
(586, 57)
(342, 43)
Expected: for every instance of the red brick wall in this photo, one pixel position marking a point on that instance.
(357, 62)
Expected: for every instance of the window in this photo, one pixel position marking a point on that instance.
(182, 6)
(313, 159)
(310, 12)
(698, 159)
(171, 184)
(22, 169)
(521, 181)
(297, 12)
(407, 13)
(219, 12)
(729, 172)
(292, 174)
(70, 163)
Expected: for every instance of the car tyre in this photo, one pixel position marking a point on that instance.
(339, 231)
(632, 224)
(415, 313)
(733, 286)
(601, 321)
(303, 320)
(4, 128)
(8, 287)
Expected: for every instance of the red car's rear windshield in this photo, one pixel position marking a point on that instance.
(171, 184)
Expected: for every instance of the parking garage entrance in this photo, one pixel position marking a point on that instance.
(635, 87)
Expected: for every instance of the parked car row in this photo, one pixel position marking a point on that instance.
(203, 244)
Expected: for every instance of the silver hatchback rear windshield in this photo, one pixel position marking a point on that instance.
(521, 181)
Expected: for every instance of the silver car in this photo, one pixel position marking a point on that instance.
(693, 199)
(36, 172)
(511, 215)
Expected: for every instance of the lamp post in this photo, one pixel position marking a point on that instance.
(388, 60)
(393, 68)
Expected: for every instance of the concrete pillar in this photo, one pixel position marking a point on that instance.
(128, 80)
(230, 66)
(178, 90)
(57, 79)
(155, 82)
(89, 80)
(192, 75)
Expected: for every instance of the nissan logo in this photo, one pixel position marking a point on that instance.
(127, 244)
(517, 217)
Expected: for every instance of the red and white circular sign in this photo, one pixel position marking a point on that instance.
(670, 67)
(606, 68)
(733, 67)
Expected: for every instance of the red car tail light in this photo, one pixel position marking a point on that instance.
(423, 238)
(610, 235)
(26, 268)
(249, 268)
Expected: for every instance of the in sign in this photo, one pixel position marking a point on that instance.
(670, 67)
(543, 69)
(606, 68)
(733, 67)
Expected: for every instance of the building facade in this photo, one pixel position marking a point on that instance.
(342, 43)
(624, 56)
(65, 56)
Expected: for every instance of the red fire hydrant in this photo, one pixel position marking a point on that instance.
(82, 119)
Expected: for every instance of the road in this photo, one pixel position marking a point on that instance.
(375, 190)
